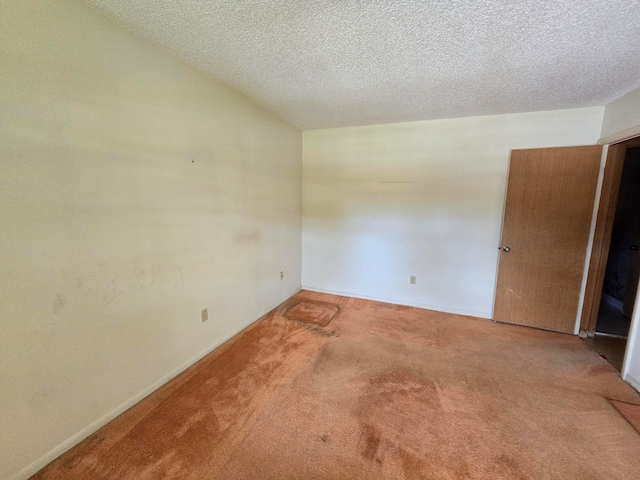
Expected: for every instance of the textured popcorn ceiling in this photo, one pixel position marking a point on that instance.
(334, 63)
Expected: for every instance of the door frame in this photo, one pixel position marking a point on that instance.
(597, 261)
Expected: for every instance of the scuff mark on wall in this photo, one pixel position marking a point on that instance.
(58, 303)
(112, 291)
(181, 277)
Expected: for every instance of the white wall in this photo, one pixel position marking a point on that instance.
(381, 203)
(133, 192)
(622, 118)
(631, 366)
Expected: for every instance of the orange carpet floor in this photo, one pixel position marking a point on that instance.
(328, 387)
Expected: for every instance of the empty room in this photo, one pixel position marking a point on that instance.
(257, 239)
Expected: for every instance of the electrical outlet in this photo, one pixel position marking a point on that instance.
(281, 275)
(204, 314)
(412, 279)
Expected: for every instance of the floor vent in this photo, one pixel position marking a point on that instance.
(315, 313)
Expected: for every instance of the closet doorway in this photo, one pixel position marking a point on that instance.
(617, 256)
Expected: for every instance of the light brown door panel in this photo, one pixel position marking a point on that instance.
(546, 225)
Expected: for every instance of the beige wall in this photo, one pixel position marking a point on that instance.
(382, 203)
(133, 192)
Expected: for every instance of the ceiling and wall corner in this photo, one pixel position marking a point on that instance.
(331, 64)
(621, 118)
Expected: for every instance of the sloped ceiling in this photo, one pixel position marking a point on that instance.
(331, 63)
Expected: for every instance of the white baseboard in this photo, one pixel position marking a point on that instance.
(608, 335)
(425, 306)
(632, 381)
(47, 458)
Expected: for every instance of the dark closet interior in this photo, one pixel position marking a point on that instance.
(623, 263)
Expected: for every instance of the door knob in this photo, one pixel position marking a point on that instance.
(506, 249)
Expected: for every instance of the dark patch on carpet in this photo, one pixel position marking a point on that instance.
(315, 313)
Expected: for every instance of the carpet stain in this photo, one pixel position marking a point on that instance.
(397, 386)
(601, 369)
(386, 392)
(316, 313)
(412, 465)
(510, 467)
(399, 403)
(370, 442)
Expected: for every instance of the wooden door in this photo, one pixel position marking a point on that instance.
(545, 231)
